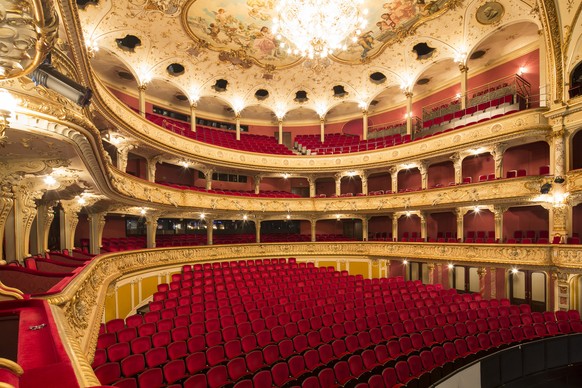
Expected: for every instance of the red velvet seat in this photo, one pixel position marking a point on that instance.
(108, 373)
(151, 378)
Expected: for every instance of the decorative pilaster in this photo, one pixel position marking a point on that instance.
(122, 155)
(497, 154)
(431, 270)
(44, 218)
(408, 112)
(464, 76)
(24, 212)
(460, 212)
(312, 190)
(96, 226)
(152, 164)
(423, 229)
(193, 107)
(280, 131)
(364, 178)
(258, 230)
(458, 165)
(395, 217)
(257, 183)
(322, 129)
(394, 177)
(482, 272)
(423, 168)
(560, 220)
(498, 217)
(151, 229)
(338, 184)
(237, 118)
(208, 172)
(557, 150)
(69, 221)
(364, 228)
(6, 204)
(142, 101)
(209, 231)
(313, 222)
(364, 124)
(562, 290)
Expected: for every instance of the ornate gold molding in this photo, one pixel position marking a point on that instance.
(31, 28)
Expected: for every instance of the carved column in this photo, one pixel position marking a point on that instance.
(322, 129)
(431, 270)
(24, 212)
(394, 177)
(364, 178)
(364, 124)
(280, 131)
(69, 221)
(498, 217)
(258, 230)
(313, 225)
(497, 153)
(208, 176)
(6, 205)
(193, 107)
(493, 283)
(408, 113)
(482, 272)
(558, 151)
(364, 228)
(209, 231)
(257, 183)
(122, 155)
(338, 184)
(461, 224)
(464, 75)
(142, 101)
(423, 229)
(395, 218)
(44, 218)
(96, 226)
(423, 168)
(312, 189)
(151, 229)
(151, 168)
(562, 291)
(237, 118)
(560, 215)
(458, 165)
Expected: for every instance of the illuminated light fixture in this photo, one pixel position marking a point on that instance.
(477, 151)
(408, 214)
(461, 55)
(351, 173)
(92, 47)
(521, 70)
(185, 164)
(458, 95)
(337, 217)
(49, 180)
(142, 212)
(476, 209)
(245, 217)
(285, 176)
(288, 216)
(214, 227)
(451, 266)
(404, 262)
(514, 271)
(202, 216)
(408, 166)
(81, 201)
(317, 28)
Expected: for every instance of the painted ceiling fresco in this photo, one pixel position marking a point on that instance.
(243, 28)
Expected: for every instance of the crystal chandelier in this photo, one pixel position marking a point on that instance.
(316, 28)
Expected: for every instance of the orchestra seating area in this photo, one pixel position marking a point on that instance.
(263, 193)
(222, 138)
(276, 322)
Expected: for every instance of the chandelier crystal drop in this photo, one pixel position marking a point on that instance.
(317, 28)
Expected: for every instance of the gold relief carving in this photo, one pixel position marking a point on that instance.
(551, 22)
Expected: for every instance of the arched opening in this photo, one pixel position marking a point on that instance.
(575, 89)
(479, 226)
(325, 187)
(136, 166)
(576, 161)
(441, 227)
(409, 180)
(409, 228)
(477, 168)
(167, 173)
(441, 174)
(379, 184)
(380, 228)
(526, 159)
(525, 224)
(351, 185)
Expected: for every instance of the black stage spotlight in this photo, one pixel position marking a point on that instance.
(559, 179)
(46, 75)
(546, 187)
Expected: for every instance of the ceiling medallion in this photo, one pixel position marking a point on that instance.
(490, 12)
